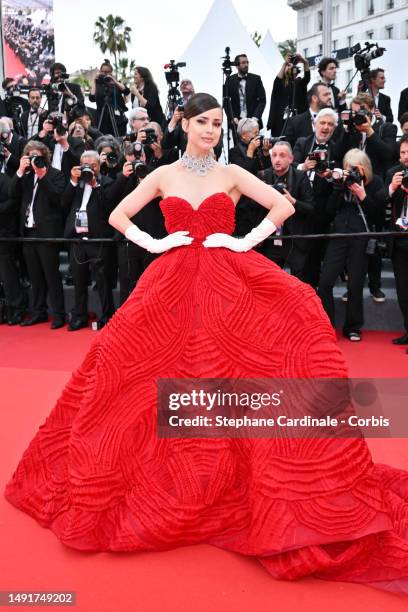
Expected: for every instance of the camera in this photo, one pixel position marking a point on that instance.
(364, 56)
(87, 173)
(38, 161)
(111, 157)
(405, 178)
(139, 167)
(4, 136)
(293, 59)
(281, 187)
(319, 155)
(150, 136)
(353, 118)
(58, 125)
(103, 79)
(180, 108)
(341, 179)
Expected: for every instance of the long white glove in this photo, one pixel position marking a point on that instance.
(240, 245)
(154, 245)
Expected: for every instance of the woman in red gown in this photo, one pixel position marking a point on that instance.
(100, 477)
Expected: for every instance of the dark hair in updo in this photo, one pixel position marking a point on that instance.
(200, 103)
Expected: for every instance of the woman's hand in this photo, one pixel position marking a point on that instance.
(154, 245)
(358, 191)
(241, 245)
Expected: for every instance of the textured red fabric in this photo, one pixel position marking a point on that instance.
(97, 474)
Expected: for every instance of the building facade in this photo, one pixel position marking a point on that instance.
(353, 21)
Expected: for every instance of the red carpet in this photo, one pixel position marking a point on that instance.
(34, 365)
(13, 64)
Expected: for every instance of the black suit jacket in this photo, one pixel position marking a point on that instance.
(69, 158)
(15, 147)
(306, 144)
(47, 210)
(254, 95)
(282, 95)
(67, 102)
(153, 106)
(397, 201)
(238, 155)
(24, 123)
(8, 209)
(299, 126)
(403, 103)
(299, 187)
(384, 106)
(338, 106)
(100, 205)
(380, 147)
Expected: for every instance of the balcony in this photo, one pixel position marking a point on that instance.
(297, 5)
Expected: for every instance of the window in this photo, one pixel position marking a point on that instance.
(334, 45)
(350, 9)
(389, 32)
(320, 20)
(349, 41)
(349, 74)
(370, 34)
(370, 7)
(335, 14)
(305, 24)
(305, 52)
(320, 49)
(390, 4)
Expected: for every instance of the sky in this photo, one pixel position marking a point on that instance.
(161, 30)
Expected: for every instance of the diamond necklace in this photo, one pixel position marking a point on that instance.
(199, 165)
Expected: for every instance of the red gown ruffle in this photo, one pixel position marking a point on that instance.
(100, 478)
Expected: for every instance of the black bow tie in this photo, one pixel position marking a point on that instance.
(242, 78)
(33, 112)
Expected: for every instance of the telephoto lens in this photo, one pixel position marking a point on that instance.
(87, 173)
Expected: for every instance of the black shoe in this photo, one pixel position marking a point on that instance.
(15, 319)
(77, 324)
(344, 297)
(57, 322)
(378, 295)
(34, 320)
(101, 323)
(353, 336)
(68, 280)
(401, 340)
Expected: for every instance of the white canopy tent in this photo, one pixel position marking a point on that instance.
(221, 28)
(271, 53)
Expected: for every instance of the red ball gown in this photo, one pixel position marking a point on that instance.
(97, 474)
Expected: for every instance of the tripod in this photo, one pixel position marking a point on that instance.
(107, 110)
(290, 109)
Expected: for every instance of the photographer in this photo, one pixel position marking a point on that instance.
(110, 155)
(9, 272)
(356, 204)
(187, 90)
(38, 188)
(151, 137)
(327, 69)
(289, 90)
(247, 93)
(63, 96)
(382, 103)
(33, 118)
(77, 130)
(397, 185)
(319, 97)
(85, 119)
(88, 204)
(144, 93)
(14, 104)
(363, 130)
(294, 185)
(138, 119)
(65, 150)
(11, 147)
(252, 150)
(315, 155)
(133, 259)
(110, 97)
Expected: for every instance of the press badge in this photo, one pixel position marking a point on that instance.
(278, 232)
(81, 221)
(402, 222)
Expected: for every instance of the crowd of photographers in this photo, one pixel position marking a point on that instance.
(64, 169)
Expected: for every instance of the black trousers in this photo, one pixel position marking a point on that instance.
(96, 257)
(10, 277)
(374, 271)
(287, 254)
(400, 264)
(42, 261)
(133, 261)
(341, 252)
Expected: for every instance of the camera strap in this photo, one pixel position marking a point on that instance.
(363, 217)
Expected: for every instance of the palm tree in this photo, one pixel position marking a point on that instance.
(287, 47)
(126, 69)
(112, 35)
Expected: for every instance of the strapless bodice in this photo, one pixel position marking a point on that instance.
(215, 214)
